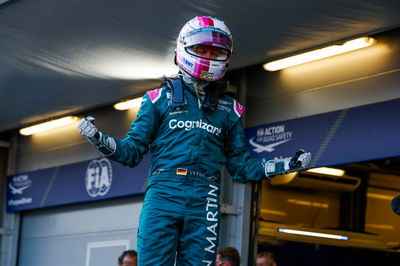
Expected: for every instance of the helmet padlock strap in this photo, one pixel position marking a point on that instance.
(214, 90)
(177, 91)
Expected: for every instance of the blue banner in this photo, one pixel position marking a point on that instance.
(80, 182)
(352, 135)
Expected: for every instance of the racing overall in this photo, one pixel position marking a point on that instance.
(189, 145)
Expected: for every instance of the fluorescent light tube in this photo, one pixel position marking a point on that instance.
(48, 125)
(327, 171)
(306, 233)
(379, 196)
(319, 53)
(128, 104)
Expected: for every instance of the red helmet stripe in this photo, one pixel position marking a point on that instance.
(206, 22)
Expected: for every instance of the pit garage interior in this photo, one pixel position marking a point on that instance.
(78, 58)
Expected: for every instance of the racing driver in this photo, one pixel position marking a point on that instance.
(192, 129)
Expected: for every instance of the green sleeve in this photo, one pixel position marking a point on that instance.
(240, 165)
(135, 145)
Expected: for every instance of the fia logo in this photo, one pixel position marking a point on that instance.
(19, 183)
(98, 177)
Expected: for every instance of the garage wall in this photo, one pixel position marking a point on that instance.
(92, 234)
(366, 76)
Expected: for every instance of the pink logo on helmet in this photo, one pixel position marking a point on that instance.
(206, 22)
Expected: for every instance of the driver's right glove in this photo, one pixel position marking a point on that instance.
(103, 143)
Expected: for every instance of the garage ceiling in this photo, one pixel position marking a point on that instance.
(60, 57)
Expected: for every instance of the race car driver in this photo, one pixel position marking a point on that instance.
(192, 129)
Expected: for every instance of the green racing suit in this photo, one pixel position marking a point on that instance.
(188, 145)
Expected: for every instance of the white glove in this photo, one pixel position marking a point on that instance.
(283, 166)
(105, 144)
(87, 129)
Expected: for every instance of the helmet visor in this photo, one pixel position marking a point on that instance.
(208, 52)
(209, 37)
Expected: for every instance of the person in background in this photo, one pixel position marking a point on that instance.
(228, 256)
(265, 258)
(128, 258)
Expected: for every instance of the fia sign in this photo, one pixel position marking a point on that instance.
(98, 177)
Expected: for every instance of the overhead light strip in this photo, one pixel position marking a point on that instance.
(48, 125)
(327, 171)
(319, 53)
(125, 105)
(379, 196)
(314, 234)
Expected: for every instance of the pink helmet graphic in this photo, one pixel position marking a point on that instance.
(205, 31)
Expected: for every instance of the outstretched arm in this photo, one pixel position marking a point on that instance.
(131, 149)
(243, 168)
(298, 162)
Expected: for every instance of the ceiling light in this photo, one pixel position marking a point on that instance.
(327, 171)
(273, 212)
(381, 226)
(128, 104)
(308, 203)
(379, 196)
(315, 234)
(48, 125)
(319, 53)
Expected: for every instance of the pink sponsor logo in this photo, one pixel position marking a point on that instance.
(154, 95)
(239, 109)
(206, 22)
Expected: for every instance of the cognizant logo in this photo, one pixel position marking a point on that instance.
(188, 125)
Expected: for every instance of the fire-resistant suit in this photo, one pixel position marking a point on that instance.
(190, 138)
(189, 145)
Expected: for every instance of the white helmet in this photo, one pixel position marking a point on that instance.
(206, 31)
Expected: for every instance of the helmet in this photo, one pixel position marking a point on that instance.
(204, 31)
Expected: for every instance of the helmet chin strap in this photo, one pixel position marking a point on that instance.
(209, 91)
(197, 84)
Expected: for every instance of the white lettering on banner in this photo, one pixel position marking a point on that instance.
(98, 177)
(19, 183)
(271, 130)
(212, 216)
(268, 138)
(188, 125)
(21, 201)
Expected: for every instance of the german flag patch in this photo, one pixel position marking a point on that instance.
(181, 171)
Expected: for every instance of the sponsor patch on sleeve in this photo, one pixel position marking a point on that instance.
(238, 108)
(154, 95)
